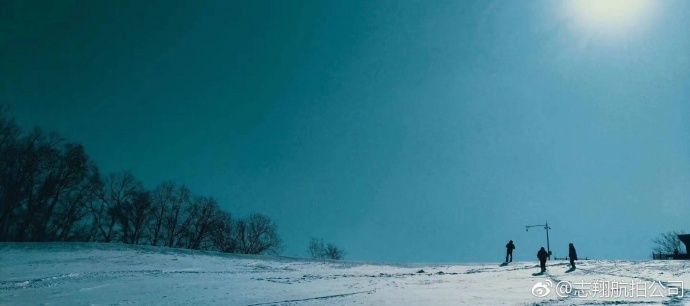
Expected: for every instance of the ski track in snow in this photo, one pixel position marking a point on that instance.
(315, 298)
(86, 274)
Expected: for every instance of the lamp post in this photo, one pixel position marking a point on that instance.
(547, 228)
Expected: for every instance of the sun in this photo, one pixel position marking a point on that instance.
(610, 12)
(611, 16)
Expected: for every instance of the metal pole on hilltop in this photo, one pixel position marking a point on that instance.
(547, 228)
(548, 248)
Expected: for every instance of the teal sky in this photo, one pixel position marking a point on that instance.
(405, 131)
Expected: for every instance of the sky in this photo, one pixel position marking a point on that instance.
(403, 131)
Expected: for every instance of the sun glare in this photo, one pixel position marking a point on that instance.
(611, 16)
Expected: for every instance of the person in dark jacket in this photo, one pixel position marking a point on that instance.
(509, 251)
(572, 254)
(542, 255)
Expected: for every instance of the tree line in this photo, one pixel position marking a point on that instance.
(50, 190)
(320, 250)
(669, 243)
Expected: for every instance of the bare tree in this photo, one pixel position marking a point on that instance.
(222, 235)
(37, 176)
(133, 216)
(9, 131)
(117, 190)
(257, 235)
(318, 249)
(162, 198)
(72, 211)
(31, 184)
(43, 184)
(201, 220)
(174, 221)
(334, 252)
(668, 243)
(10, 192)
(62, 192)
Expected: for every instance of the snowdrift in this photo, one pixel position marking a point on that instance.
(95, 274)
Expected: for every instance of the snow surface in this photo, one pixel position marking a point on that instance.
(98, 274)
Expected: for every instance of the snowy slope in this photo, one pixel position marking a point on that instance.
(86, 274)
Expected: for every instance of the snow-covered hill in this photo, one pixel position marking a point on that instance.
(86, 274)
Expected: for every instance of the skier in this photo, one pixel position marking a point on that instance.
(572, 254)
(509, 251)
(542, 255)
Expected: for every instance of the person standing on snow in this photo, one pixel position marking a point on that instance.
(509, 251)
(542, 255)
(572, 254)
